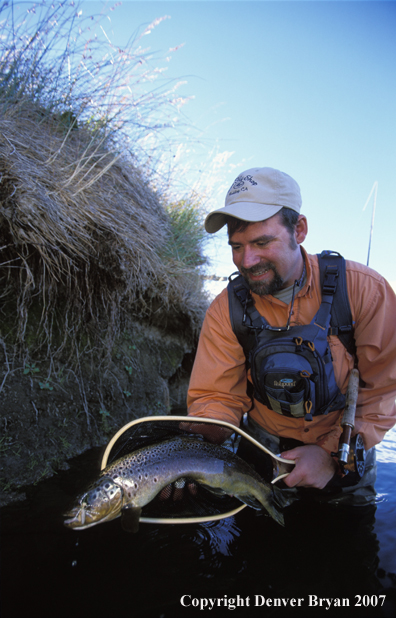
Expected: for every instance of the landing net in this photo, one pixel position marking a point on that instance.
(192, 503)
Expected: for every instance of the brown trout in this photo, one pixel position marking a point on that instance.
(131, 482)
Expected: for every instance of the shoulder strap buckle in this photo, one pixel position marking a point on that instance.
(330, 279)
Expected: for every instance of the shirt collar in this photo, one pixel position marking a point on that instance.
(306, 289)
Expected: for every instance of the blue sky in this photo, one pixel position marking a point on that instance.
(306, 87)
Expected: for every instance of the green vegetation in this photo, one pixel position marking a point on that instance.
(30, 369)
(187, 233)
(46, 386)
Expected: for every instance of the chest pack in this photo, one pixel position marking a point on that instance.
(291, 367)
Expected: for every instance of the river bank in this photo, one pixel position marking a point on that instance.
(45, 421)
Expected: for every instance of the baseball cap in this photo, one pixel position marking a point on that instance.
(256, 195)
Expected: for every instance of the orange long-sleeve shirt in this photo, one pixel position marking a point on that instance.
(218, 382)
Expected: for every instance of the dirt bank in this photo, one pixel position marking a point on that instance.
(46, 421)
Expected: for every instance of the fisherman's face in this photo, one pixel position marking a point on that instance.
(267, 255)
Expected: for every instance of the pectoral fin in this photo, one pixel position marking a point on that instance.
(250, 501)
(217, 491)
(130, 518)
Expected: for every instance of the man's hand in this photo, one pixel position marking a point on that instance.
(176, 490)
(314, 467)
(216, 434)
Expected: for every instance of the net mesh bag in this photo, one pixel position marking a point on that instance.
(185, 500)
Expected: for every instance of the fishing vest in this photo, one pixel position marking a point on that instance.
(291, 367)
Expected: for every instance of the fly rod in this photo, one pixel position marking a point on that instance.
(375, 187)
(348, 418)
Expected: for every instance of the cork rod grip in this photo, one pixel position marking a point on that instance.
(348, 417)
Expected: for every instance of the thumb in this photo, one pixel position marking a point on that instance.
(291, 454)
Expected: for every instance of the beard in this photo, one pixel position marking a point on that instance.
(263, 288)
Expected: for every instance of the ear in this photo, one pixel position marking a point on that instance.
(301, 229)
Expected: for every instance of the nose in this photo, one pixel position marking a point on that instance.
(248, 258)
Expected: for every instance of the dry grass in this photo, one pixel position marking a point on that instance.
(86, 241)
(80, 225)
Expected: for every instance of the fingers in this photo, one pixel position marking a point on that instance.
(176, 490)
(290, 454)
(216, 434)
(166, 493)
(294, 479)
(314, 467)
(192, 488)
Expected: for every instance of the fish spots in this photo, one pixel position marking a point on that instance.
(148, 473)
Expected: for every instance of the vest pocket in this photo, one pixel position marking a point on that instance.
(287, 394)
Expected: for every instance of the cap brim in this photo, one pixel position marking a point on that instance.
(245, 211)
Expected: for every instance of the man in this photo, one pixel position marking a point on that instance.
(266, 230)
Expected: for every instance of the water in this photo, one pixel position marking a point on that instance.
(322, 557)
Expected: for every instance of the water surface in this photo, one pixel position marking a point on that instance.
(245, 566)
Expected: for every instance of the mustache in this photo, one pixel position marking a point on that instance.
(253, 270)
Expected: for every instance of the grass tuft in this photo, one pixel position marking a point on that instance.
(88, 240)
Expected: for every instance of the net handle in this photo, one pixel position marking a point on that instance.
(190, 520)
(183, 419)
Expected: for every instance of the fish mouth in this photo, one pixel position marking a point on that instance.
(81, 518)
(102, 502)
(85, 514)
(77, 519)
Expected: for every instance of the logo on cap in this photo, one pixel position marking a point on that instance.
(239, 184)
